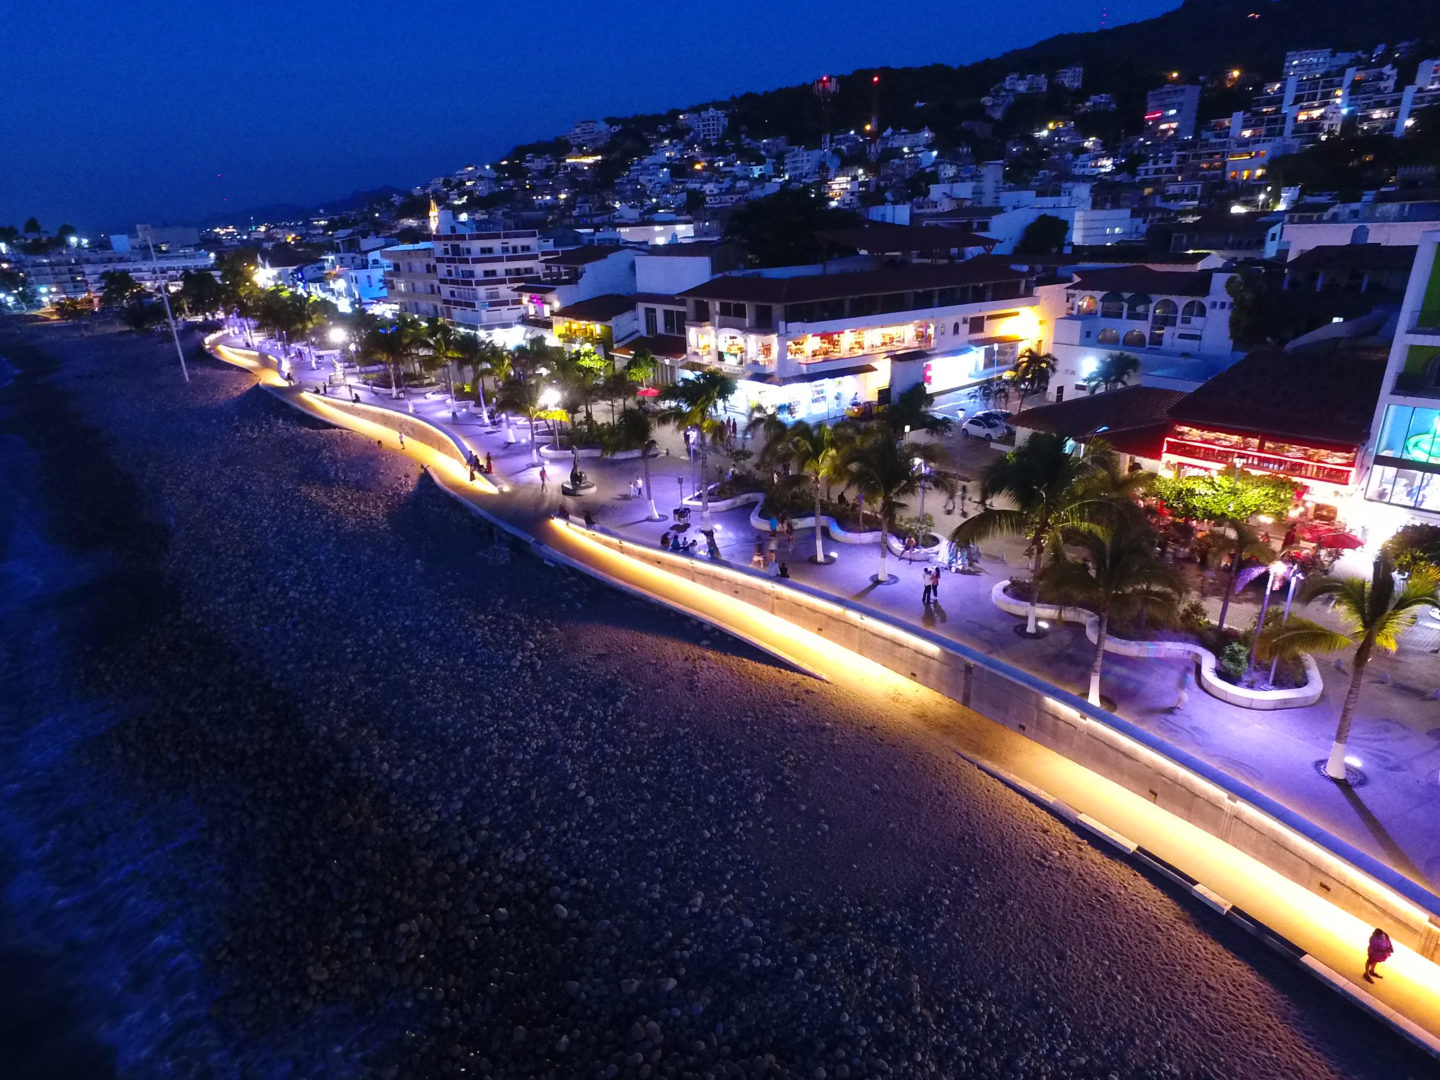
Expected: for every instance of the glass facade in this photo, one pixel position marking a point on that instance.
(1407, 459)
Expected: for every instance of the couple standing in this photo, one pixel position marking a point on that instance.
(931, 595)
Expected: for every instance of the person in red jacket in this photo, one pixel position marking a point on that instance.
(1378, 952)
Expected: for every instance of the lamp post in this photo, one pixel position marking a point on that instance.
(165, 298)
(337, 338)
(1273, 575)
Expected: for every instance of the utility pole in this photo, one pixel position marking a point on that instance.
(165, 298)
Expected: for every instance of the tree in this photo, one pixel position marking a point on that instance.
(1248, 312)
(1413, 547)
(1053, 495)
(442, 342)
(1043, 236)
(911, 411)
(1229, 500)
(1032, 372)
(1112, 372)
(141, 314)
(780, 229)
(32, 227)
(1119, 576)
(636, 431)
(885, 472)
(118, 288)
(527, 396)
(200, 293)
(1372, 614)
(813, 449)
(693, 403)
(76, 309)
(394, 343)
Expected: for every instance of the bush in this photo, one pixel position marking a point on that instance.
(920, 526)
(1193, 618)
(1234, 658)
(1413, 547)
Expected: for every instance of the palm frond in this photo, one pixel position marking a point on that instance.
(1301, 636)
(992, 522)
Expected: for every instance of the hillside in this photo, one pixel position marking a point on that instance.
(1199, 39)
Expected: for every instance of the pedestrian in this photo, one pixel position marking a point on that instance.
(785, 571)
(964, 496)
(1377, 952)
(929, 587)
(1182, 690)
(544, 477)
(472, 472)
(789, 534)
(489, 463)
(402, 439)
(935, 584)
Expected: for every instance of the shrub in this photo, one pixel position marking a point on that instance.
(1233, 660)
(1414, 546)
(1193, 618)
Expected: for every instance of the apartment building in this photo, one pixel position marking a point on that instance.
(810, 344)
(476, 271)
(76, 271)
(1390, 218)
(1170, 112)
(708, 125)
(412, 284)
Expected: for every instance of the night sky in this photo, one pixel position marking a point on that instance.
(171, 110)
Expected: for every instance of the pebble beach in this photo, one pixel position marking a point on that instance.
(306, 773)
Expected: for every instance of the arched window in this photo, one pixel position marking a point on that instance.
(1360, 234)
(1133, 339)
(1193, 312)
(1108, 336)
(1088, 305)
(1165, 313)
(1138, 306)
(955, 329)
(1112, 306)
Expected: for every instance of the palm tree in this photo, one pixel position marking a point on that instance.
(1241, 542)
(693, 404)
(1372, 614)
(636, 431)
(1120, 576)
(481, 357)
(393, 342)
(1112, 372)
(443, 342)
(813, 449)
(885, 471)
(527, 396)
(1053, 493)
(1032, 373)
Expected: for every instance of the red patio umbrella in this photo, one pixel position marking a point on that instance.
(1340, 541)
(647, 391)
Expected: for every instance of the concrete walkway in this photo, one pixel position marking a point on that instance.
(1394, 815)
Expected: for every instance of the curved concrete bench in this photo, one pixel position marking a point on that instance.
(745, 498)
(1210, 680)
(837, 531)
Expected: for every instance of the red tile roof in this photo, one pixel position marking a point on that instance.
(1141, 279)
(665, 346)
(1133, 419)
(598, 309)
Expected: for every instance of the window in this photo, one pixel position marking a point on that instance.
(702, 310)
(732, 309)
(1112, 306)
(977, 324)
(1109, 336)
(1157, 336)
(652, 322)
(492, 273)
(1088, 305)
(764, 316)
(1193, 311)
(1134, 339)
(674, 322)
(1138, 306)
(1164, 313)
(956, 330)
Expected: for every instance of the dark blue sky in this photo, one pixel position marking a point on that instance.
(120, 111)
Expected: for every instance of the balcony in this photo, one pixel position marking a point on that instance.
(1226, 456)
(1427, 322)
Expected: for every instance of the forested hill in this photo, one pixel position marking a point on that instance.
(1200, 40)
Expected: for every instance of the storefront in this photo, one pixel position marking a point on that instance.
(810, 398)
(1406, 472)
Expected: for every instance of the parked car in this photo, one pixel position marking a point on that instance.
(986, 426)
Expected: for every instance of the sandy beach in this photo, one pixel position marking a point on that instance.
(305, 773)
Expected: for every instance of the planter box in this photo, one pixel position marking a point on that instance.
(1210, 681)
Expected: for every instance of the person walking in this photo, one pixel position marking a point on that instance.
(1182, 689)
(1377, 952)
(471, 466)
(544, 477)
(489, 464)
(402, 439)
(964, 496)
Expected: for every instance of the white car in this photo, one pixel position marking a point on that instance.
(986, 426)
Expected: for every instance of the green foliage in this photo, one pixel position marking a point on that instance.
(1350, 164)
(1414, 547)
(118, 288)
(1233, 660)
(1224, 497)
(779, 230)
(1112, 372)
(1043, 236)
(1193, 619)
(918, 526)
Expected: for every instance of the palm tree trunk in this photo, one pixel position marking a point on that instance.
(649, 491)
(704, 491)
(1032, 619)
(1099, 660)
(883, 577)
(1230, 585)
(1335, 766)
(819, 541)
(534, 448)
(393, 392)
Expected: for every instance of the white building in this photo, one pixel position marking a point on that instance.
(1403, 483)
(1175, 323)
(588, 133)
(411, 284)
(1072, 78)
(810, 344)
(707, 125)
(1170, 112)
(1389, 217)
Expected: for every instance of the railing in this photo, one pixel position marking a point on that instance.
(1295, 467)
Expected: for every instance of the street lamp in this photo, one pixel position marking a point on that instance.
(549, 398)
(1274, 574)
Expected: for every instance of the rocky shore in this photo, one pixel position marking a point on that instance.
(396, 800)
